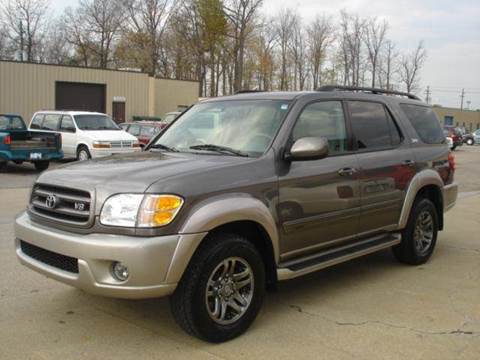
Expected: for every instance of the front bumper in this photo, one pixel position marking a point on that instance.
(450, 193)
(96, 153)
(156, 264)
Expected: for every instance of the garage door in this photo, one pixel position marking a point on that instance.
(79, 96)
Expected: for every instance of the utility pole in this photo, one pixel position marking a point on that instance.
(427, 94)
(462, 97)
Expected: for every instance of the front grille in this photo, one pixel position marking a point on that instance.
(121, 144)
(62, 204)
(51, 258)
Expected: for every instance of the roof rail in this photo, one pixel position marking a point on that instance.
(367, 89)
(246, 91)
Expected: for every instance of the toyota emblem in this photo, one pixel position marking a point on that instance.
(51, 201)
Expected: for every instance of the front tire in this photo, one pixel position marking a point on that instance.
(83, 153)
(470, 142)
(222, 290)
(41, 165)
(420, 235)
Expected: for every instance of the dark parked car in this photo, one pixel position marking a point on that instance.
(19, 145)
(144, 131)
(241, 192)
(456, 135)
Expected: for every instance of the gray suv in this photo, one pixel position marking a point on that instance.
(241, 192)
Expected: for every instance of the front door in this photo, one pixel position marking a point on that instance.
(118, 112)
(320, 199)
(386, 165)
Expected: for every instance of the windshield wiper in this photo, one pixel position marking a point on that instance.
(219, 149)
(163, 147)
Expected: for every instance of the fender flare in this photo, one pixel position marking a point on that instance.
(228, 208)
(423, 178)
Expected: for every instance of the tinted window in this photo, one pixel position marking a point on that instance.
(37, 122)
(51, 122)
(372, 125)
(67, 123)
(4, 123)
(425, 122)
(323, 119)
(134, 130)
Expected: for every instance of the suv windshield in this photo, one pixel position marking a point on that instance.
(235, 127)
(95, 122)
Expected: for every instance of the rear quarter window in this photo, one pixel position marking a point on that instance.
(425, 122)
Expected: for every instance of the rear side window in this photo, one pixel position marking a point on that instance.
(51, 122)
(425, 122)
(37, 122)
(373, 125)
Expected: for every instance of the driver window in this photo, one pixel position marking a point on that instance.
(323, 119)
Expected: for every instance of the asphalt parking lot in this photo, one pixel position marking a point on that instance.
(369, 308)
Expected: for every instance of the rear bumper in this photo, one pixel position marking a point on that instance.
(450, 193)
(25, 155)
(156, 264)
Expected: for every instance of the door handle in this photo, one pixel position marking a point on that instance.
(348, 171)
(409, 162)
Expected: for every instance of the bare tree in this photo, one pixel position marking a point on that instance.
(150, 18)
(388, 65)
(55, 48)
(352, 27)
(242, 15)
(298, 50)
(374, 36)
(284, 28)
(410, 66)
(26, 25)
(320, 36)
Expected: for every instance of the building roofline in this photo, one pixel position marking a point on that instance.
(92, 68)
(454, 108)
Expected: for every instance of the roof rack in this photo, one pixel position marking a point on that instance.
(366, 89)
(246, 91)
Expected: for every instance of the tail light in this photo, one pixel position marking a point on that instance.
(451, 161)
(7, 140)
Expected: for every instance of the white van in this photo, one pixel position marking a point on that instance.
(85, 135)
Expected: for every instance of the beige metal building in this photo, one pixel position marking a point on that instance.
(26, 88)
(467, 119)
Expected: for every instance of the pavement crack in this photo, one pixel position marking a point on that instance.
(390, 325)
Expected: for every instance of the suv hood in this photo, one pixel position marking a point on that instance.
(135, 172)
(109, 135)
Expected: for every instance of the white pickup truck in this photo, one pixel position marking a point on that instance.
(85, 135)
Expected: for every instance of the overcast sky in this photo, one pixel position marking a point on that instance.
(450, 30)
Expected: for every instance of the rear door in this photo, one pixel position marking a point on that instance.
(320, 199)
(386, 165)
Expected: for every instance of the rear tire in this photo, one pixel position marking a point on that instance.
(420, 235)
(207, 286)
(83, 153)
(41, 165)
(3, 165)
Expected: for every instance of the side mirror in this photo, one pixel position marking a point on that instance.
(308, 148)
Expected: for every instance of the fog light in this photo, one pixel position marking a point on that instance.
(120, 271)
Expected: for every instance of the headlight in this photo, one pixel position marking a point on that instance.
(130, 210)
(102, 144)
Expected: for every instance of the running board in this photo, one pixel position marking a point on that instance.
(298, 267)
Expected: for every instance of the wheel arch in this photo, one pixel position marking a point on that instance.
(428, 184)
(240, 214)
